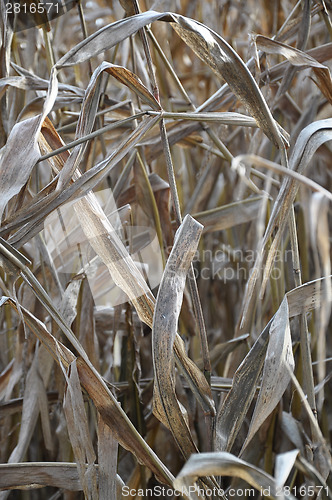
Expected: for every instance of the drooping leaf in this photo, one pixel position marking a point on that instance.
(278, 361)
(298, 58)
(309, 140)
(233, 410)
(62, 475)
(225, 62)
(207, 44)
(107, 37)
(20, 153)
(78, 431)
(165, 319)
(225, 464)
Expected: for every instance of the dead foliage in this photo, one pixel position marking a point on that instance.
(165, 250)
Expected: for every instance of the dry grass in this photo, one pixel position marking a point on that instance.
(165, 254)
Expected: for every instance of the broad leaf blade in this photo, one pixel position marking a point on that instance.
(309, 140)
(165, 319)
(298, 58)
(278, 361)
(236, 404)
(225, 62)
(225, 464)
(20, 153)
(78, 430)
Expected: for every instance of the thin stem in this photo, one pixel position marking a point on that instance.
(92, 135)
(154, 207)
(308, 379)
(191, 275)
(175, 198)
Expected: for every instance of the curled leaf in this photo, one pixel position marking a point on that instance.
(278, 361)
(298, 58)
(225, 464)
(226, 63)
(165, 319)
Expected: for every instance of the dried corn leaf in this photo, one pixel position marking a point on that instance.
(61, 475)
(107, 461)
(79, 434)
(107, 37)
(207, 44)
(224, 118)
(298, 58)
(165, 319)
(309, 140)
(61, 86)
(105, 402)
(225, 62)
(33, 82)
(311, 295)
(321, 54)
(284, 464)
(241, 160)
(225, 464)
(107, 244)
(233, 410)
(131, 81)
(20, 153)
(83, 184)
(279, 361)
(291, 427)
(230, 215)
(89, 108)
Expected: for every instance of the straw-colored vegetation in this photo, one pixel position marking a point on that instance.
(165, 272)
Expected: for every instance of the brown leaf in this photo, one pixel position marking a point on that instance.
(225, 62)
(78, 431)
(164, 328)
(278, 362)
(20, 153)
(298, 58)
